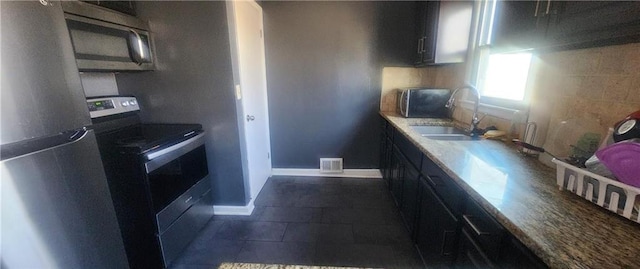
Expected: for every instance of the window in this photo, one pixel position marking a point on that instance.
(501, 78)
(505, 76)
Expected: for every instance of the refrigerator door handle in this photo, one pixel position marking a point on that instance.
(30, 146)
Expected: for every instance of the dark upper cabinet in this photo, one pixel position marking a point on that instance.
(593, 23)
(443, 30)
(427, 18)
(519, 25)
(127, 7)
(557, 25)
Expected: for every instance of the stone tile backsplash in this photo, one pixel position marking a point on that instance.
(597, 83)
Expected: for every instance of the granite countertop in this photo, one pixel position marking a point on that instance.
(563, 229)
(276, 266)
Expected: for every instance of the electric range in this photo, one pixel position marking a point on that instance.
(158, 178)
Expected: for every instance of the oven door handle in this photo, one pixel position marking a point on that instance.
(164, 156)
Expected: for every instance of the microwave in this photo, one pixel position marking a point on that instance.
(106, 40)
(423, 102)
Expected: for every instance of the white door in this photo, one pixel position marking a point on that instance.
(253, 88)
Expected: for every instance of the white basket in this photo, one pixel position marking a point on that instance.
(600, 190)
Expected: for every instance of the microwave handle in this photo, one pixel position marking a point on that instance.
(135, 47)
(402, 102)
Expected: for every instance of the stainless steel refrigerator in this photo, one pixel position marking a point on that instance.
(56, 206)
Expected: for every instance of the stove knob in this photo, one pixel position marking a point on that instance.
(125, 103)
(133, 102)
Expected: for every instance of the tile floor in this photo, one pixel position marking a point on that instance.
(309, 221)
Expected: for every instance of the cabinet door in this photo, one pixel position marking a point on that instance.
(430, 31)
(516, 255)
(410, 189)
(519, 25)
(397, 175)
(389, 153)
(421, 8)
(592, 23)
(470, 255)
(437, 230)
(384, 162)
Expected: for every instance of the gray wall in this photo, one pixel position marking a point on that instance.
(324, 66)
(193, 83)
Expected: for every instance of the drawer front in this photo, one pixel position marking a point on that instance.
(471, 255)
(410, 151)
(170, 213)
(452, 195)
(486, 232)
(185, 228)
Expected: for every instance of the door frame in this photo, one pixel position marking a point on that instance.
(238, 93)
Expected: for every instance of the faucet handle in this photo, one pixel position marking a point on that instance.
(450, 102)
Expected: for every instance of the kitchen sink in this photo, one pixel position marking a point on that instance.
(442, 133)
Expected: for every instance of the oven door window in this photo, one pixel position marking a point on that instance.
(174, 178)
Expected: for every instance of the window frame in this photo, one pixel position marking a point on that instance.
(479, 55)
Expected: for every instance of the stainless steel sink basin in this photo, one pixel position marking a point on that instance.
(451, 137)
(439, 130)
(442, 133)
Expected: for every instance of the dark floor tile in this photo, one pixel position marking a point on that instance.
(329, 221)
(277, 195)
(316, 180)
(372, 200)
(379, 216)
(212, 252)
(208, 232)
(314, 232)
(354, 255)
(193, 266)
(323, 200)
(251, 230)
(277, 252)
(291, 214)
(381, 234)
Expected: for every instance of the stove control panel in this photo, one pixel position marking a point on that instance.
(111, 105)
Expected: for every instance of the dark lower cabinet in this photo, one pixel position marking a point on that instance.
(397, 176)
(384, 161)
(437, 231)
(449, 229)
(486, 244)
(410, 191)
(386, 150)
(470, 255)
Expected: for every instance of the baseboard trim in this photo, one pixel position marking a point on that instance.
(354, 173)
(234, 210)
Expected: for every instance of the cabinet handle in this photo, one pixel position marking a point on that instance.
(420, 44)
(476, 230)
(548, 6)
(444, 252)
(537, 8)
(430, 178)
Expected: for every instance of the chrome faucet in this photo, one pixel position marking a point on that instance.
(473, 129)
